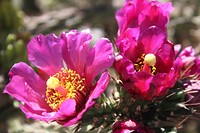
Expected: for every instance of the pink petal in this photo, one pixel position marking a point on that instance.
(152, 39)
(68, 107)
(39, 115)
(45, 53)
(165, 57)
(142, 83)
(127, 16)
(75, 46)
(187, 52)
(127, 41)
(22, 91)
(126, 71)
(157, 14)
(99, 89)
(124, 67)
(101, 86)
(177, 49)
(163, 82)
(26, 72)
(101, 57)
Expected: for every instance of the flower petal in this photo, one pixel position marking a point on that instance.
(128, 41)
(187, 52)
(165, 57)
(99, 89)
(38, 115)
(68, 107)
(22, 91)
(157, 14)
(101, 57)
(142, 85)
(28, 74)
(124, 67)
(101, 85)
(127, 16)
(152, 39)
(177, 49)
(75, 46)
(45, 53)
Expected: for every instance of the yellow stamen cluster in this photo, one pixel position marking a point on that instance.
(63, 85)
(149, 59)
(139, 63)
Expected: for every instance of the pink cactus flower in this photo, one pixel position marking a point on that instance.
(146, 64)
(129, 126)
(146, 61)
(65, 86)
(189, 61)
(143, 14)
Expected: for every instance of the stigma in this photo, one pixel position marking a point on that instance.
(53, 83)
(150, 59)
(146, 63)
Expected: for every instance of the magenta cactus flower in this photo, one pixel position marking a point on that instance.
(65, 86)
(129, 126)
(146, 65)
(143, 14)
(146, 62)
(189, 62)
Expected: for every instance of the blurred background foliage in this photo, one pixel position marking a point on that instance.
(22, 19)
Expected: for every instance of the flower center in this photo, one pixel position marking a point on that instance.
(65, 84)
(146, 63)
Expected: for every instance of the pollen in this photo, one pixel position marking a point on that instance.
(150, 59)
(66, 84)
(53, 83)
(146, 63)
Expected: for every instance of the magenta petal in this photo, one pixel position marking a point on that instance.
(99, 89)
(128, 44)
(152, 39)
(79, 116)
(187, 52)
(163, 82)
(127, 41)
(177, 49)
(189, 63)
(22, 91)
(68, 107)
(45, 53)
(101, 85)
(75, 46)
(38, 115)
(127, 16)
(101, 57)
(157, 14)
(26, 72)
(142, 83)
(165, 58)
(124, 67)
(129, 126)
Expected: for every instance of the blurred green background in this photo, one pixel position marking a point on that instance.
(22, 19)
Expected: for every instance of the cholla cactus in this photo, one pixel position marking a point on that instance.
(154, 90)
(10, 18)
(13, 50)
